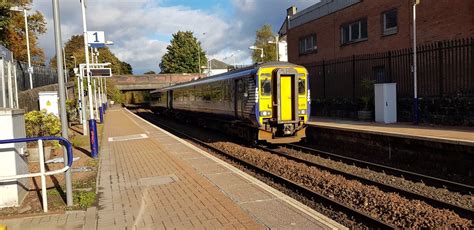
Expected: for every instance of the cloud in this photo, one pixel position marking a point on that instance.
(141, 29)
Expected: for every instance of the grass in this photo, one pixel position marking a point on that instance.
(80, 141)
(93, 163)
(84, 199)
(89, 183)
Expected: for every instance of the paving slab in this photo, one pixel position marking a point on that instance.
(264, 204)
(453, 135)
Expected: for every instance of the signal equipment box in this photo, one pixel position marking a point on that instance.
(386, 103)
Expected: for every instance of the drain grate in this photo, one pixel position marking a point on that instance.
(158, 180)
(128, 138)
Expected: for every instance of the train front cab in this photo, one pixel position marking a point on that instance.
(283, 104)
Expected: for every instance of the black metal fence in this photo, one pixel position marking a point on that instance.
(444, 68)
(42, 75)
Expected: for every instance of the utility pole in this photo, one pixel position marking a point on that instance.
(62, 96)
(30, 69)
(92, 122)
(416, 109)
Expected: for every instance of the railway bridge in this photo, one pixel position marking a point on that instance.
(150, 81)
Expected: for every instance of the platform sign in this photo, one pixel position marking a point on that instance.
(96, 38)
(100, 72)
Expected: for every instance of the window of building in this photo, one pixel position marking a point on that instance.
(390, 22)
(354, 32)
(308, 44)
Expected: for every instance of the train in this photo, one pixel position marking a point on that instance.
(266, 102)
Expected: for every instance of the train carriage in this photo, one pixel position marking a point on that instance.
(265, 102)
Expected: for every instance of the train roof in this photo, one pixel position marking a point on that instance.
(228, 75)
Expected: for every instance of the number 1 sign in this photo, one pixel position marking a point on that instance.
(96, 38)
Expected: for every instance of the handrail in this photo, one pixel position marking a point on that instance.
(42, 172)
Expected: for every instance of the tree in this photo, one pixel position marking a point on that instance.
(183, 55)
(13, 34)
(150, 72)
(263, 36)
(74, 47)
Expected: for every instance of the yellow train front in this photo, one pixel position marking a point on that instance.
(283, 103)
(266, 102)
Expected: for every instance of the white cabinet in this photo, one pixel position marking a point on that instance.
(386, 102)
(48, 100)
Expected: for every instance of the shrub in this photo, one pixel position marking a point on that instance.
(71, 110)
(40, 123)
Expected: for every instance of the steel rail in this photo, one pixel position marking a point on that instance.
(462, 211)
(298, 188)
(437, 182)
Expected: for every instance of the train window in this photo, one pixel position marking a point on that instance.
(266, 87)
(240, 86)
(301, 86)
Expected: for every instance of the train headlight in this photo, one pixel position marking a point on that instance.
(265, 113)
(302, 112)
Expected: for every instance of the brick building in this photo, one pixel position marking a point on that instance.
(346, 43)
(339, 28)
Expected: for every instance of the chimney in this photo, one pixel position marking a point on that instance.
(291, 11)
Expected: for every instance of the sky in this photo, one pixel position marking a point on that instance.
(141, 29)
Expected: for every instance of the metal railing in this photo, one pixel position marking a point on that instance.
(42, 173)
(8, 84)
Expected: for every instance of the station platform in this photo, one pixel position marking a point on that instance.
(449, 135)
(151, 179)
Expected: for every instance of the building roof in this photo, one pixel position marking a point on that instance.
(316, 11)
(216, 64)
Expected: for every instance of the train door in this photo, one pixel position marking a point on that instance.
(286, 96)
(285, 99)
(239, 97)
(170, 99)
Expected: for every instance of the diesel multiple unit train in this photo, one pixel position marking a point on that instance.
(266, 102)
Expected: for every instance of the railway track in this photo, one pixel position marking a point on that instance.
(428, 180)
(296, 187)
(462, 211)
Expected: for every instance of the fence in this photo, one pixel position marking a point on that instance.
(42, 75)
(8, 84)
(444, 68)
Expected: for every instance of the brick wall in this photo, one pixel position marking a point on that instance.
(436, 20)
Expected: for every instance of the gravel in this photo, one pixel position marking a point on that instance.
(462, 200)
(389, 207)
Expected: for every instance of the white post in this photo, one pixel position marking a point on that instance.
(66, 73)
(89, 83)
(95, 98)
(43, 177)
(415, 87)
(2, 74)
(16, 87)
(10, 86)
(79, 98)
(30, 69)
(84, 102)
(105, 88)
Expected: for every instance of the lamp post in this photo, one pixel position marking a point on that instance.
(256, 48)
(62, 96)
(416, 110)
(276, 42)
(92, 122)
(199, 56)
(30, 69)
